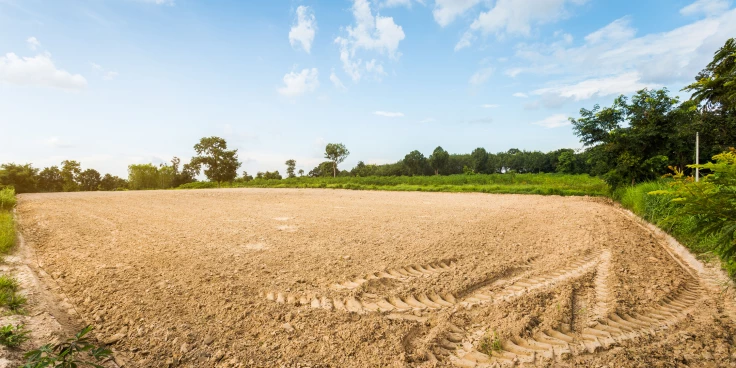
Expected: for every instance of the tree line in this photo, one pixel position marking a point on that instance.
(635, 139)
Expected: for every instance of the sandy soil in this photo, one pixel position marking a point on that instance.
(328, 278)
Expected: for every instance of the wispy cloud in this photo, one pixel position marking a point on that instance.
(489, 106)
(39, 71)
(520, 95)
(296, 84)
(554, 121)
(33, 43)
(389, 114)
(302, 32)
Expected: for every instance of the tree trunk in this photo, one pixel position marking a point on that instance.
(334, 169)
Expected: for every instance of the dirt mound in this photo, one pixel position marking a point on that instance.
(323, 278)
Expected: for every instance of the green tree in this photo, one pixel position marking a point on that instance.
(183, 174)
(336, 153)
(480, 160)
(222, 164)
(290, 167)
(89, 180)
(21, 177)
(415, 162)
(70, 170)
(110, 182)
(324, 169)
(50, 180)
(143, 176)
(439, 159)
(301, 172)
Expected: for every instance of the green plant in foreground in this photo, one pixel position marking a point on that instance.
(490, 343)
(12, 336)
(8, 283)
(67, 354)
(14, 302)
(7, 198)
(7, 232)
(710, 203)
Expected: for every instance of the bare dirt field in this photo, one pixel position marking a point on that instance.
(328, 278)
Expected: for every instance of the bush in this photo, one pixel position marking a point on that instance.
(68, 353)
(198, 185)
(12, 336)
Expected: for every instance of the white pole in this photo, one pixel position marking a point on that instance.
(697, 156)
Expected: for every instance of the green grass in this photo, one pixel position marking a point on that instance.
(545, 184)
(7, 232)
(657, 209)
(12, 336)
(7, 199)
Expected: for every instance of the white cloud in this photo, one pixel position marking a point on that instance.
(489, 106)
(369, 33)
(56, 142)
(160, 2)
(516, 17)
(465, 41)
(33, 43)
(614, 60)
(389, 114)
(481, 76)
(375, 67)
(304, 29)
(110, 75)
(395, 3)
(520, 95)
(39, 71)
(337, 82)
(428, 120)
(445, 11)
(706, 7)
(297, 84)
(554, 121)
(106, 74)
(615, 85)
(618, 30)
(513, 72)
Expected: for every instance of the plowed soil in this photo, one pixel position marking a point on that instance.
(330, 278)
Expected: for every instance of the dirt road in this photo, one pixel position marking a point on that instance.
(330, 278)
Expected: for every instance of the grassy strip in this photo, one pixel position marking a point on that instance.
(545, 184)
(7, 199)
(657, 209)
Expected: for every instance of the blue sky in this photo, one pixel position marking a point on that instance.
(115, 82)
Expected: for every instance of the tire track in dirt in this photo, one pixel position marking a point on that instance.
(433, 301)
(560, 344)
(400, 274)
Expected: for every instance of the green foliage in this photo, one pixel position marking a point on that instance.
(198, 185)
(72, 353)
(268, 175)
(415, 163)
(143, 176)
(12, 336)
(710, 203)
(110, 183)
(50, 180)
(9, 296)
(222, 164)
(490, 343)
(21, 177)
(545, 184)
(70, 170)
(438, 160)
(7, 198)
(290, 167)
(336, 153)
(7, 232)
(325, 169)
(89, 180)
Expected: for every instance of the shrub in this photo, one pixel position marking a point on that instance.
(12, 336)
(7, 198)
(68, 353)
(7, 232)
(709, 205)
(198, 185)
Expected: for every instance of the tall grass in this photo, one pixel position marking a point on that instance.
(658, 210)
(7, 199)
(548, 184)
(7, 232)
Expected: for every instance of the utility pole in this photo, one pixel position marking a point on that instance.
(697, 156)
